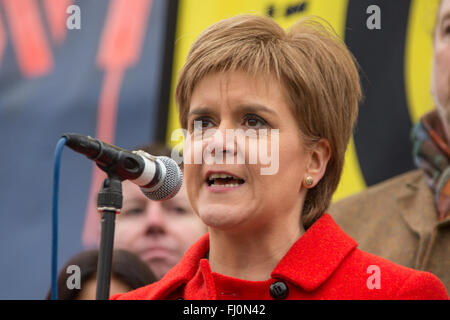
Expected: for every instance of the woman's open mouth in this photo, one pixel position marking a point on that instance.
(223, 180)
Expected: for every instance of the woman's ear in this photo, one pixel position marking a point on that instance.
(320, 154)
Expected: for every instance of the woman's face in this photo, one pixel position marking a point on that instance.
(236, 195)
(441, 63)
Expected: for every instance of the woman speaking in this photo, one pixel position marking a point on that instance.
(289, 100)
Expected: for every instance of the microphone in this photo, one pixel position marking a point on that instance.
(159, 178)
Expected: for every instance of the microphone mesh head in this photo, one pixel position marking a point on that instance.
(171, 181)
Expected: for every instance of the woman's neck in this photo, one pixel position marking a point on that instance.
(253, 255)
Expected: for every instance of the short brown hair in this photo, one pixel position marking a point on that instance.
(312, 63)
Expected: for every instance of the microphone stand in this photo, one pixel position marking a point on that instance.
(109, 203)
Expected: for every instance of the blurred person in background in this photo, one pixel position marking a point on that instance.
(128, 272)
(159, 232)
(406, 219)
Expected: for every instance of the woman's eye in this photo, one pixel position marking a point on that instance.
(253, 121)
(173, 208)
(447, 30)
(202, 123)
(179, 210)
(134, 211)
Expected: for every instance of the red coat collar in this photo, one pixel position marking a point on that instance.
(316, 255)
(310, 261)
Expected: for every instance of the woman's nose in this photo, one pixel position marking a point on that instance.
(219, 144)
(155, 220)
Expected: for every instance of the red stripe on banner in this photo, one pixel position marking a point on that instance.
(56, 12)
(120, 48)
(106, 122)
(123, 33)
(2, 40)
(33, 53)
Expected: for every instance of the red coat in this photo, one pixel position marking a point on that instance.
(323, 264)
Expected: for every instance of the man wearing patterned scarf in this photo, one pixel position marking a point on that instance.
(432, 155)
(406, 219)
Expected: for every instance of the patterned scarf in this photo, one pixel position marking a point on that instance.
(432, 154)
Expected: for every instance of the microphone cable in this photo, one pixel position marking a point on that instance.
(54, 272)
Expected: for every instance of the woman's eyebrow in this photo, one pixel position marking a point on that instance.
(255, 108)
(201, 111)
(248, 108)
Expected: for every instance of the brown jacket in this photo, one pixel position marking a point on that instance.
(397, 220)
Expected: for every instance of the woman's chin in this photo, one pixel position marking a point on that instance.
(223, 216)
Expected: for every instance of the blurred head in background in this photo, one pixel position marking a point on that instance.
(160, 232)
(128, 272)
(440, 86)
